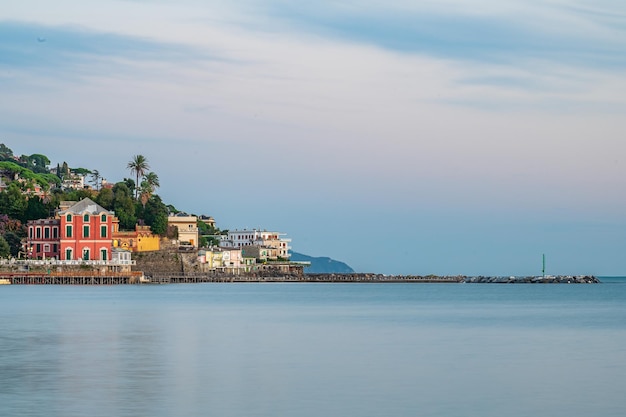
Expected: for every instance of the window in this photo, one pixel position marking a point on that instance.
(103, 218)
(46, 247)
(86, 218)
(38, 248)
(86, 254)
(85, 231)
(103, 231)
(38, 233)
(68, 254)
(55, 232)
(30, 231)
(68, 231)
(54, 248)
(68, 218)
(103, 254)
(46, 233)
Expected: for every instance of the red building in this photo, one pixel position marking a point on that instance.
(85, 232)
(44, 239)
(80, 231)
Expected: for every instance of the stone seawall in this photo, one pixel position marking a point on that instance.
(267, 276)
(559, 279)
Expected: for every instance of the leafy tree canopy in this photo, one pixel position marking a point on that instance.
(5, 152)
(5, 250)
(81, 171)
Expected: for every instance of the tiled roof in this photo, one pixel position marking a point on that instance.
(86, 205)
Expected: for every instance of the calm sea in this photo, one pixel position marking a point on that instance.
(318, 350)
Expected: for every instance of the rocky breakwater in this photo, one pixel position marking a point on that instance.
(550, 279)
(365, 277)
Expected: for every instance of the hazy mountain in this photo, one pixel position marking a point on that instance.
(322, 265)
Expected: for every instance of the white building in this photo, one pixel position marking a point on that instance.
(256, 237)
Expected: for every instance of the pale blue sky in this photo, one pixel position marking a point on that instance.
(445, 137)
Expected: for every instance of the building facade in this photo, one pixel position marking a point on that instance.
(85, 232)
(43, 240)
(140, 240)
(187, 228)
(79, 231)
(277, 246)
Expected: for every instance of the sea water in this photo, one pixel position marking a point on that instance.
(313, 350)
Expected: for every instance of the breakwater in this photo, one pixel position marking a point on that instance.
(364, 278)
(137, 277)
(550, 279)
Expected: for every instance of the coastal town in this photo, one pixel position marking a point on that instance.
(67, 225)
(82, 238)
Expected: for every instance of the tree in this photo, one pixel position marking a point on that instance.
(13, 202)
(81, 171)
(15, 241)
(95, 179)
(5, 152)
(105, 198)
(124, 206)
(148, 186)
(77, 195)
(155, 215)
(65, 171)
(138, 166)
(152, 180)
(38, 163)
(36, 209)
(5, 250)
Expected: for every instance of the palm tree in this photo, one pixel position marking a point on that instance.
(152, 180)
(139, 166)
(149, 184)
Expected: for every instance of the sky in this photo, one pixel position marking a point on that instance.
(401, 137)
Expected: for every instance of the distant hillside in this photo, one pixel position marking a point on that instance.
(322, 265)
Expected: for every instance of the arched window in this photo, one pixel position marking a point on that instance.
(86, 254)
(103, 218)
(86, 218)
(68, 218)
(68, 254)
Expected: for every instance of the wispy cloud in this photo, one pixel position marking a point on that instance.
(74, 50)
(578, 36)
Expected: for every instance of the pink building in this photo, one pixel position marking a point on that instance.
(44, 239)
(85, 232)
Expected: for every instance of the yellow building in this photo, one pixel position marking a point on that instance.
(187, 227)
(140, 240)
(214, 259)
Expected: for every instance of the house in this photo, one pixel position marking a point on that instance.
(260, 252)
(226, 259)
(80, 230)
(276, 246)
(73, 182)
(187, 227)
(43, 241)
(85, 231)
(208, 220)
(140, 240)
